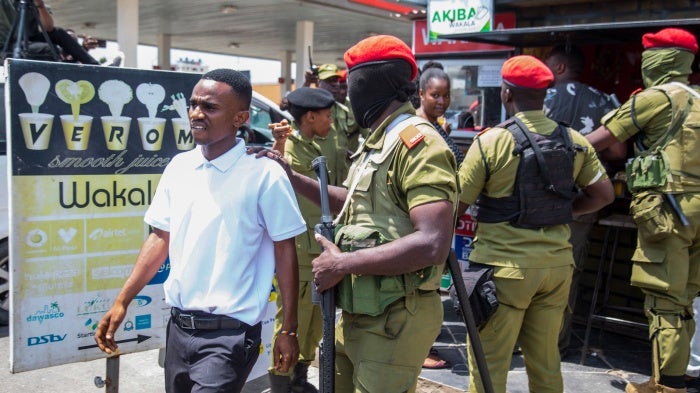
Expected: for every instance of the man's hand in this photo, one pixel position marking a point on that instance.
(104, 334)
(325, 266)
(281, 130)
(284, 104)
(285, 353)
(272, 154)
(89, 42)
(310, 78)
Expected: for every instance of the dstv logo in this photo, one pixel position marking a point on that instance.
(45, 339)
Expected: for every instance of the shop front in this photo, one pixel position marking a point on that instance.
(474, 70)
(613, 53)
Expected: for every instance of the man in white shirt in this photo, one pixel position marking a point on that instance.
(227, 221)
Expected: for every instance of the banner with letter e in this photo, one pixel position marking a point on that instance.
(459, 17)
(86, 148)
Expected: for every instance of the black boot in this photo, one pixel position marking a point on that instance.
(279, 383)
(300, 383)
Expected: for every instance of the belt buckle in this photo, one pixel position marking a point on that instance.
(184, 319)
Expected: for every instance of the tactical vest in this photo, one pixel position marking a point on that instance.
(544, 186)
(371, 219)
(679, 146)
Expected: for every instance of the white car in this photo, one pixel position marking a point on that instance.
(263, 112)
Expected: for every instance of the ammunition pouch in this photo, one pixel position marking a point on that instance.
(371, 294)
(649, 170)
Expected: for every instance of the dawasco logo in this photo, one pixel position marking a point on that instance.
(142, 301)
(50, 311)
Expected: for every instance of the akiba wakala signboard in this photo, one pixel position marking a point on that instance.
(86, 148)
(459, 16)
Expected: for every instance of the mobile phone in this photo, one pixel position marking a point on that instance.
(101, 43)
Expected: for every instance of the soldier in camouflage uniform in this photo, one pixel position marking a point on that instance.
(666, 262)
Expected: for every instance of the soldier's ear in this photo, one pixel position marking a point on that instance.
(507, 95)
(560, 68)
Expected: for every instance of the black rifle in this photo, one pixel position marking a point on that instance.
(325, 229)
(472, 330)
(312, 67)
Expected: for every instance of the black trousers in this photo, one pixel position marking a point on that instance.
(210, 361)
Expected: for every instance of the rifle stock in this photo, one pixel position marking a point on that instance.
(325, 228)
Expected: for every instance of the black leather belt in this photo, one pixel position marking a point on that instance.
(201, 320)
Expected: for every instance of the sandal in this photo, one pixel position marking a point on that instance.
(434, 362)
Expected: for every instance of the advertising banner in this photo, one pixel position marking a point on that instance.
(423, 45)
(459, 17)
(86, 148)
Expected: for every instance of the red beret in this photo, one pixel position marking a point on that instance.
(527, 71)
(380, 48)
(670, 38)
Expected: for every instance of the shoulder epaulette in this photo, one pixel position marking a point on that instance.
(636, 91)
(483, 131)
(411, 136)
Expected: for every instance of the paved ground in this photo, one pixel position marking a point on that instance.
(612, 362)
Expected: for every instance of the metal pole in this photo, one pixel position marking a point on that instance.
(472, 330)
(112, 379)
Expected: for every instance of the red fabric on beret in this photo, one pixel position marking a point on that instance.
(527, 71)
(343, 75)
(670, 38)
(378, 48)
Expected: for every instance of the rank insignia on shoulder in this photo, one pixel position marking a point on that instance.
(411, 137)
(483, 131)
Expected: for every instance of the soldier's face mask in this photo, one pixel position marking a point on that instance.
(373, 86)
(665, 65)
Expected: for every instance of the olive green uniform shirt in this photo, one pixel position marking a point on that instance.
(335, 157)
(347, 133)
(420, 175)
(299, 152)
(505, 244)
(652, 114)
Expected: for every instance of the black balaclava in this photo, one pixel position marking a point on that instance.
(373, 86)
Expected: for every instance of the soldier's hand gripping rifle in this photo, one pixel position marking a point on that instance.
(325, 228)
(472, 330)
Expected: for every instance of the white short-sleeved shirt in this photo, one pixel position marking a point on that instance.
(223, 216)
